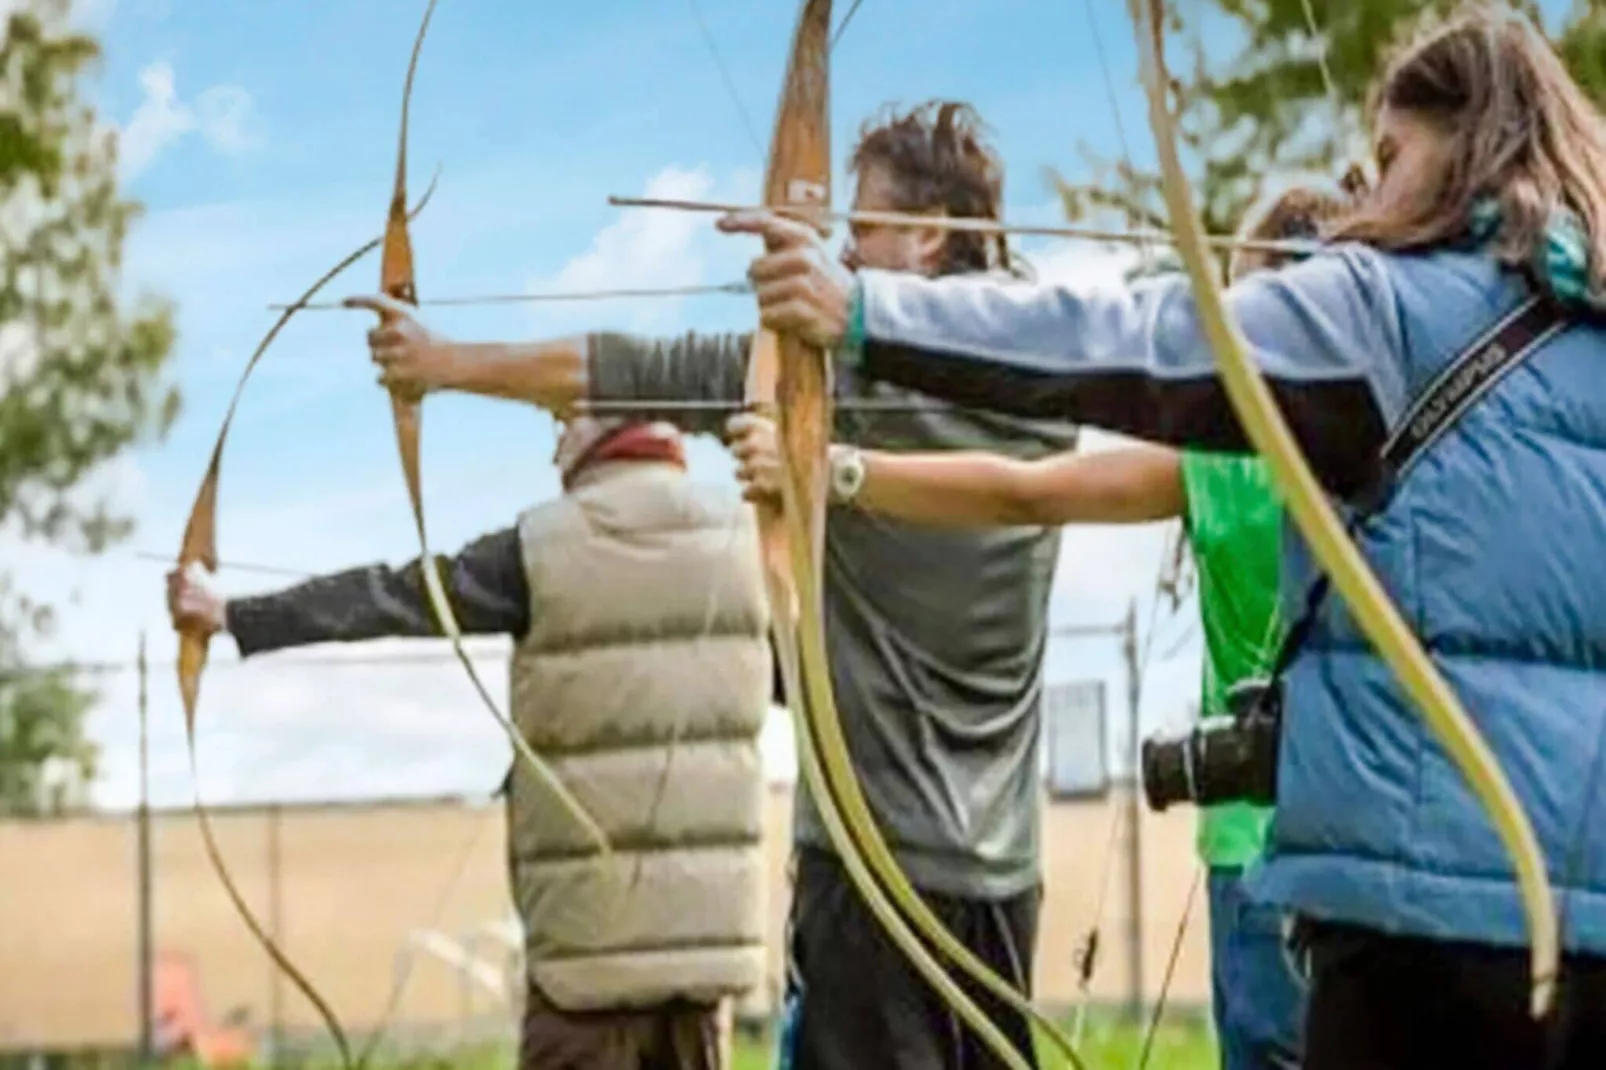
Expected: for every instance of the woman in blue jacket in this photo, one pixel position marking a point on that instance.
(1492, 180)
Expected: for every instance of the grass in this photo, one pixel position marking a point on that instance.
(1184, 1042)
(1107, 1044)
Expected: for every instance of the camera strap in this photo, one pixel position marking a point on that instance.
(1465, 380)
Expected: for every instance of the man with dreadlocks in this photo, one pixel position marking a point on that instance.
(939, 683)
(1233, 517)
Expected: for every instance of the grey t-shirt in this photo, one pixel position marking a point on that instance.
(935, 636)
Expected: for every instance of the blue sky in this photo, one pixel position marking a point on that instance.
(260, 138)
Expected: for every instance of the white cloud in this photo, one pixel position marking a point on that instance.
(159, 120)
(221, 114)
(646, 247)
(651, 249)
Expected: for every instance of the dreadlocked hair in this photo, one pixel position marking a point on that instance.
(939, 160)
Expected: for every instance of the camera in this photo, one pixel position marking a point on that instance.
(1227, 759)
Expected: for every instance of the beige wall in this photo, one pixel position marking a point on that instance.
(355, 880)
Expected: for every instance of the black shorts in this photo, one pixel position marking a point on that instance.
(1390, 1002)
(852, 999)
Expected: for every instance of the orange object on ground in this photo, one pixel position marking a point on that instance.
(182, 1027)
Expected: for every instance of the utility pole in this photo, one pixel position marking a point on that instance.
(147, 1015)
(1134, 813)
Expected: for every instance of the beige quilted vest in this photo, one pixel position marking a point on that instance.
(644, 680)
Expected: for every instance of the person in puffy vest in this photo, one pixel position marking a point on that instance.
(641, 671)
(1490, 192)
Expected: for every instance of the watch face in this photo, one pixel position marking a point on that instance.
(849, 475)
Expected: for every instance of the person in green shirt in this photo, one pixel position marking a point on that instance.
(1233, 518)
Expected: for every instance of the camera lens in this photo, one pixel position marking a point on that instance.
(1164, 770)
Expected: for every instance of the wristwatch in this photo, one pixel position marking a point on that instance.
(847, 474)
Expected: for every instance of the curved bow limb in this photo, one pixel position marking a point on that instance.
(199, 548)
(396, 280)
(792, 380)
(1374, 612)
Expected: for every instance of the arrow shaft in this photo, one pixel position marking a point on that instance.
(533, 298)
(966, 225)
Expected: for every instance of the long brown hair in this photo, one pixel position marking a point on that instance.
(939, 159)
(1518, 130)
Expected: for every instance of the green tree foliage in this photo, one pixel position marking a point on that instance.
(1279, 96)
(80, 377)
(1583, 46)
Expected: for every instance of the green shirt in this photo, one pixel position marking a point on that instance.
(1234, 524)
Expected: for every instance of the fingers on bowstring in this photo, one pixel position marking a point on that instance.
(382, 304)
(778, 231)
(746, 424)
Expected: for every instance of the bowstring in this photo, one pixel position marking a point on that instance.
(1153, 1029)
(725, 75)
(1314, 27)
(842, 27)
(443, 900)
(730, 88)
(736, 525)
(1088, 958)
(712, 44)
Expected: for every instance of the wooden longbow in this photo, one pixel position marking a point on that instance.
(397, 280)
(199, 548)
(790, 380)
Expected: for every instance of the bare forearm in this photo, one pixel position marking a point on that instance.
(1132, 485)
(549, 374)
(969, 489)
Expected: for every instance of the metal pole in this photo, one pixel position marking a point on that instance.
(1134, 815)
(276, 927)
(144, 952)
(465, 995)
